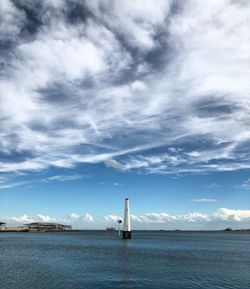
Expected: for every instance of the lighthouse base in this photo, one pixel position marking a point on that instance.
(126, 234)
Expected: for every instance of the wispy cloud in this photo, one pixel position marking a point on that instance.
(204, 200)
(245, 184)
(9, 185)
(117, 184)
(123, 82)
(64, 178)
(213, 186)
(74, 216)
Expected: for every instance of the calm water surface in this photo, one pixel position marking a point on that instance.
(95, 259)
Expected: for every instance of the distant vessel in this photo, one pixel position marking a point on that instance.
(110, 229)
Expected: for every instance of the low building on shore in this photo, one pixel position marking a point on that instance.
(47, 227)
(36, 227)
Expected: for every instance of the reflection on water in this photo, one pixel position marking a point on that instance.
(96, 259)
(124, 257)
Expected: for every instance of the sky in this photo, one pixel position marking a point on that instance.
(102, 100)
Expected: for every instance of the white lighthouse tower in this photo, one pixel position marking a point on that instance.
(126, 233)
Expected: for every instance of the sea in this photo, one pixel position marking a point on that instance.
(99, 259)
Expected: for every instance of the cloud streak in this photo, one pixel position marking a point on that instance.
(64, 178)
(204, 200)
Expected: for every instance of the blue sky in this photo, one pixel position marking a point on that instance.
(102, 100)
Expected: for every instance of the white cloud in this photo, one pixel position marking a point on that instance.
(22, 219)
(165, 218)
(80, 56)
(222, 215)
(137, 76)
(204, 200)
(138, 85)
(154, 218)
(12, 20)
(64, 178)
(28, 219)
(114, 164)
(116, 184)
(112, 218)
(44, 218)
(233, 215)
(138, 21)
(195, 217)
(175, 149)
(246, 184)
(9, 185)
(88, 218)
(74, 216)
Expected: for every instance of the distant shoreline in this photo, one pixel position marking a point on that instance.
(113, 232)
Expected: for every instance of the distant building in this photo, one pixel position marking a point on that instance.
(47, 227)
(2, 225)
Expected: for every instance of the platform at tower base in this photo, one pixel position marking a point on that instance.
(126, 234)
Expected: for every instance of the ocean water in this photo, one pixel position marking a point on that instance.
(97, 259)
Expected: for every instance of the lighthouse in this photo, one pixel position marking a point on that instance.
(126, 233)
